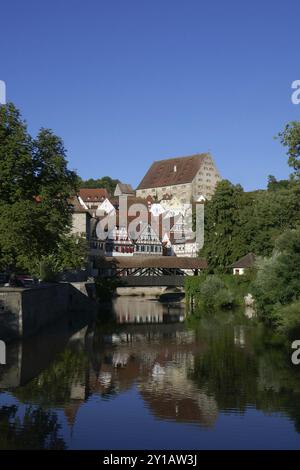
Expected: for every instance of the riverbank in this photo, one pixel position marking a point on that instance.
(210, 293)
(23, 312)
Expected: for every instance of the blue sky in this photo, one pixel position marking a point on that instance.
(126, 82)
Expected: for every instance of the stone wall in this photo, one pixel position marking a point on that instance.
(23, 312)
(81, 224)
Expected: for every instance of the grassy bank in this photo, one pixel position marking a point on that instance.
(209, 293)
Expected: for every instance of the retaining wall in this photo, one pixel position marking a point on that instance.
(23, 312)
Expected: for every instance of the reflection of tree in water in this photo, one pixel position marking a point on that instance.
(38, 429)
(226, 371)
(54, 385)
(256, 373)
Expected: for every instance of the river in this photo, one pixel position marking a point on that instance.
(144, 377)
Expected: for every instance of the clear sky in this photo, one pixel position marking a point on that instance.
(126, 82)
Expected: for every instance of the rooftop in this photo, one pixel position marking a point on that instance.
(245, 262)
(93, 195)
(126, 188)
(172, 171)
(167, 262)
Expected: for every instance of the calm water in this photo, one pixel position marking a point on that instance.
(152, 381)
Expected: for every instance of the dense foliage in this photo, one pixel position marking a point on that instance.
(211, 293)
(278, 281)
(266, 223)
(35, 187)
(237, 222)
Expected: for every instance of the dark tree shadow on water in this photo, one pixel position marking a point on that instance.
(36, 429)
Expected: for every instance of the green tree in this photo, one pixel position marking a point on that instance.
(290, 138)
(266, 215)
(35, 187)
(222, 236)
(278, 278)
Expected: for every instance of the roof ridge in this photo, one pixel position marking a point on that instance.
(180, 158)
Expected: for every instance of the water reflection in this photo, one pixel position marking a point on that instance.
(146, 310)
(182, 374)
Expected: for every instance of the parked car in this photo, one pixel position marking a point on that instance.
(22, 280)
(26, 280)
(4, 278)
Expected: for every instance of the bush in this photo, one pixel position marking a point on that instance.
(225, 299)
(278, 278)
(214, 293)
(209, 290)
(288, 319)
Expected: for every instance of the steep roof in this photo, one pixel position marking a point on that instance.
(77, 207)
(131, 200)
(93, 195)
(245, 262)
(125, 188)
(172, 171)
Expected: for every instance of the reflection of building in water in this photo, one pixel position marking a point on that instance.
(78, 395)
(156, 358)
(171, 395)
(28, 358)
(145, 310)
(160, 371)
(239, 336)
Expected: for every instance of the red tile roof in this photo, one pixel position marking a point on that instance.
(173, 171)
(93, 195)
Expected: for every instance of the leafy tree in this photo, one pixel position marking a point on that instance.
(222, 240)
(290, 138)
(16, 162)
(71, 254)
(274, 184)
(266, 215)
(237, 222)
(278, 278)
(35, 187)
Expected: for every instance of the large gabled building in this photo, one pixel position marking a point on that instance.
(184, 178)
(93, 197)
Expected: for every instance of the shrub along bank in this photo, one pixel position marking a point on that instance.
(210, 292)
